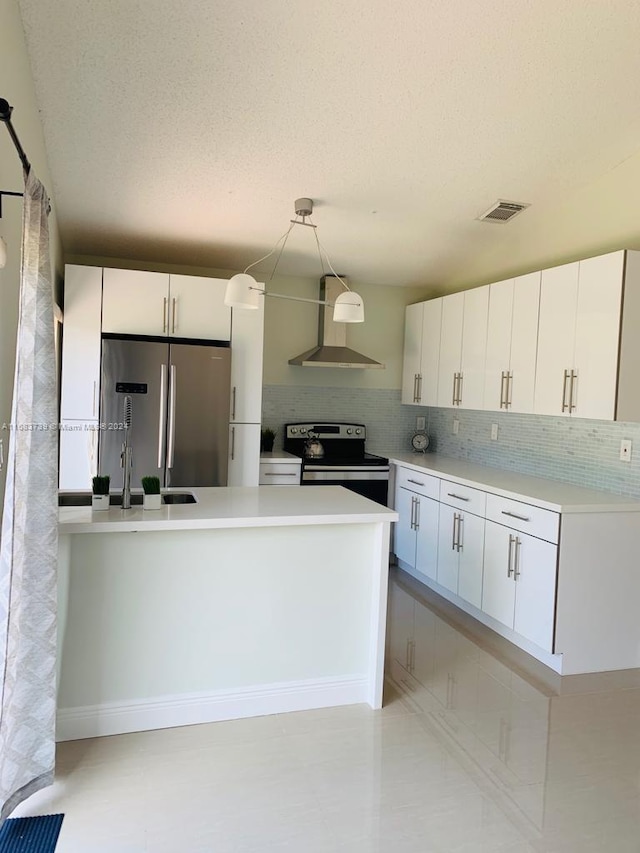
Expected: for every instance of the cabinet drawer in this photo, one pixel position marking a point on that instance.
(543, 523)
(279, 474)
(415, 481)
(463, 497)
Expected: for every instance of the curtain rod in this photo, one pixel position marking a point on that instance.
(5, 116)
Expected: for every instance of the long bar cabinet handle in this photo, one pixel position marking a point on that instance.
(574, 379)
(514, 515)
(566, 377)
(512, 539)
(509, 389)
(516, 566)
(165, 314)
(458, 497)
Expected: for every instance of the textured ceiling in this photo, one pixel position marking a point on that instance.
(183, 132)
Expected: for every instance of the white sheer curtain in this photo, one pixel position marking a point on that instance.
(29, 546)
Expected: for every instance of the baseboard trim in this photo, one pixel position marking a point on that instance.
(112, 718)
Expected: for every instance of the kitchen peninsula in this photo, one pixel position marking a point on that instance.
(251, 601)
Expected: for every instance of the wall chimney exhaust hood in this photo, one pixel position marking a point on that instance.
(331, 350)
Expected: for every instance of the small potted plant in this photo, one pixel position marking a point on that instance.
(100, 492)
(267, 437)
(151, 488)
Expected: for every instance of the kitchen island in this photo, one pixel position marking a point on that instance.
(251, 601)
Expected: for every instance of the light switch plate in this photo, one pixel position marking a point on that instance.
(456, 426)
(494, 432)
(626, 446)
(420, 423)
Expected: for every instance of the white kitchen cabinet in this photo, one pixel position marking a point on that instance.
(247, 341)
(244, 455)
(450, 349)
(416, 534)
(197, 309)
(412, 352)
(520, 583)
(80, 386)
(135, 302)
(279, 471)
(463, 342)
(421, 353)
(579, 338)
(512, 340)
(78, 454)
(138, 302)
(460, 553)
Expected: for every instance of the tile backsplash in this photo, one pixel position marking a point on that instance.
(583, 452)
(389, 424)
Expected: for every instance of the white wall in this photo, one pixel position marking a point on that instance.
(16, 86)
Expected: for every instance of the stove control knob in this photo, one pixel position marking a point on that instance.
(303, 431)
(349, 431)
(293, 430)
(358, 431)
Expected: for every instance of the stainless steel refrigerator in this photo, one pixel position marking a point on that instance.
(180, 411)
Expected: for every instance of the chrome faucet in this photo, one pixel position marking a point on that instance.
(126, 455)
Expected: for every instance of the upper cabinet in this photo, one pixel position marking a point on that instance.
(150, 303)
(563, 341)
(579, 337)
(80, 387)
(512, 340)
(421, 353)
(463, 343)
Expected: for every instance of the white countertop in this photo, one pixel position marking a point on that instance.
(548, 494)
(280, 456)
(230, 507)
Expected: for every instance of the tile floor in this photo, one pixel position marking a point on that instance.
(476, 749)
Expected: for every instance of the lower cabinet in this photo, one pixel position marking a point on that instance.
(500, 570)
(460, 558)
(519, 588)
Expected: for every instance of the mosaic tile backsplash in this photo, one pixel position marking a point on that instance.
(583, 452)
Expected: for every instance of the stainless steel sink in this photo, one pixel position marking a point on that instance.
(84, 499)
(178, 498)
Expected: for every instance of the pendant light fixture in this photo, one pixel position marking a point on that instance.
(243, 291)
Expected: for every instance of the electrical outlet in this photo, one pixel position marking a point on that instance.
(626, 445)
(494, 432)
(420, 423)
(456, 426)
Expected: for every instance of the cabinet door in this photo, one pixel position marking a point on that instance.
(78, 454)
(244, 455)
(535, 583)
(556, 338)
(428, 512)
(474, 347)
(80, 386)
(498, 587)
(197, 308)
(404, 537)
(598, 336)
(448, 556)
(471, 558)
(429, 363)
(450, 347)
(135, 302)
(498, 344)
(247, 336)
(524, 343)
(412, 352)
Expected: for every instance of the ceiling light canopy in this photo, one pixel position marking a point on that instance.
(244, 292)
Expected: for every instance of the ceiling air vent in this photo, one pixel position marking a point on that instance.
(502, 211)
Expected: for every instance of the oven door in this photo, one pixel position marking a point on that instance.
(371, 482)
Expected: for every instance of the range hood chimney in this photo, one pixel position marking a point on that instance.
(331, 350)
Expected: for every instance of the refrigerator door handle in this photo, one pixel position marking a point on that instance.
(162, 416)
(171, 441)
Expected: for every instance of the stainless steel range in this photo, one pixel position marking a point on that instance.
(333, 454)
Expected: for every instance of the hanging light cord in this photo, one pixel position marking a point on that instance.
(282, 242)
